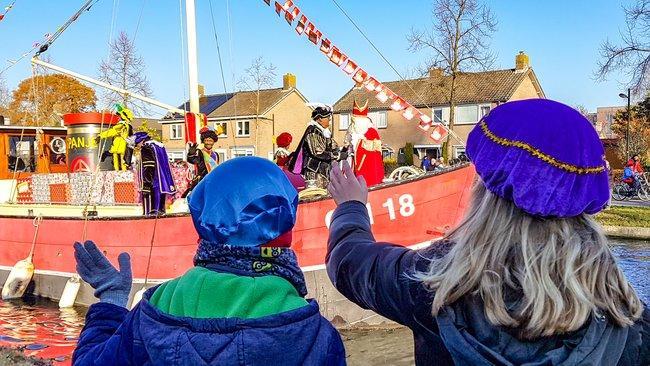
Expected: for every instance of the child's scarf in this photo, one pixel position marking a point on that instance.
(252, 261)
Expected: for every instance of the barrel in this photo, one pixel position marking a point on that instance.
(82, 150)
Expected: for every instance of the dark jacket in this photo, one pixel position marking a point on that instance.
(317, 151)
(376, 276)
(115, 336)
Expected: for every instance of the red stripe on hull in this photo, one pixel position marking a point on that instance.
(404, 214)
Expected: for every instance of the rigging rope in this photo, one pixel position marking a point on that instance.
(216, 40)
(232, 70)
(85, 7)
(408, 84)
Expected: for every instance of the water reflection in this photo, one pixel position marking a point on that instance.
(39, 328)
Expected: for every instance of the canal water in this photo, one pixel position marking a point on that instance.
(39, 328)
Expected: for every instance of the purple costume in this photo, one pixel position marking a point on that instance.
(156, 180)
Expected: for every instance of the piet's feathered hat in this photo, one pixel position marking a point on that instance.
(321, 112)
(207, 132)
(542, 155)
(247, 202)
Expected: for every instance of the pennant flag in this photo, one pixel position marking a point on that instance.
(335, 56)
(424, 126)
(309, 28)
(278, 8)
(291, 15)
(350, 67)
(314, 36)
(409, 113)
(360, 76)
(268, 2)
(326, 46)
(398, 104)
(439, 133)
(2, 16)
(301, 25)
(372, 84)
(382, 95)
(287, 4)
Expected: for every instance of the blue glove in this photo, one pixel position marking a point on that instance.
(110, 286)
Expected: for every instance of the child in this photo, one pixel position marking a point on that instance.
(241, 304)
(527, 278)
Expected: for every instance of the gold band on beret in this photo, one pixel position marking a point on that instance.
(538, 154)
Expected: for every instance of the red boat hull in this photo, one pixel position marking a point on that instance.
(406, 213)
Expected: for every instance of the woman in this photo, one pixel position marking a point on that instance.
(526, 277)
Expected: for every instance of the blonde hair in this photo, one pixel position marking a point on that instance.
(561, 268)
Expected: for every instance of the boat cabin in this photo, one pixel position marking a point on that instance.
(25, 150)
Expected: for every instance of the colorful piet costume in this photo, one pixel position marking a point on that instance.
(316, 151)
(243, 302)
(119, 132)
(368, 160)
(204, 160)
(156, 181)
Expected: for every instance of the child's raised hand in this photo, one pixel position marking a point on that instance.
(344, 186)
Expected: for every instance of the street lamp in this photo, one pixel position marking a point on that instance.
(627, 128)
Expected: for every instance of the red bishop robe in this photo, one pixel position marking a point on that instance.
(368, 160)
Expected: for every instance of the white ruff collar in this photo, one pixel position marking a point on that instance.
(326, 131)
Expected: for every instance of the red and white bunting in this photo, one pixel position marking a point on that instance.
(315, 36)
(326, 46)
(398, 105)
(360, 76)
(350, 67)
(301, 25)
(439, 133)
(291, 15)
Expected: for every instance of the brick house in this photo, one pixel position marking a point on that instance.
(476, 94)
(249, 122)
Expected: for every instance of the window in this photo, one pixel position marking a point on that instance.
(22, 153)
(485, 109)
(344, 122)
(379, 119)
(243, 128)
(242, 151)
(224, 127)
(176, 155)
(458, 151)
(437, 115)
(467, 114)
(387, 152)
(176, 131)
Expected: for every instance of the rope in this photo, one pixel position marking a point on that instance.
(232, 70)
(137, 26)
(153, 235)
(37, 222)
(216, 40)
(420, 97)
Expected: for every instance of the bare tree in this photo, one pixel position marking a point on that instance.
(5, 96)
(125, 69)
(458, 42)
(632, 55)
(257, 76)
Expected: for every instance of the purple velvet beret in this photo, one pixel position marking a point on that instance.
(542, 155)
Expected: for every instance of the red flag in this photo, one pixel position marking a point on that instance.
(360, 76)
(409, 113)
(278, 8)
(350, 67)
(439, 133)
(398, 104)
(326, 46)
(291, 15)
(314, 36)
(301, 25)
(372, 84)
(268, 2)
(190, 127)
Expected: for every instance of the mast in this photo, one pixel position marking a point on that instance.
(192, 61)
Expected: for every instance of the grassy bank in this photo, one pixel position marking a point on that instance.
(625, 216)
(14, 357)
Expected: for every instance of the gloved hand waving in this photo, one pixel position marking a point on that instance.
(111, 286)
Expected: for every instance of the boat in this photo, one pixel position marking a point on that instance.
(409, 212)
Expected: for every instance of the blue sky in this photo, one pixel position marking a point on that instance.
(561, 37)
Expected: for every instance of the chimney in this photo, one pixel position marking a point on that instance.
(522, 61)
(435, 72)
(202, 98)
(288, 81)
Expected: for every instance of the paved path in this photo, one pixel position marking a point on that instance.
(631, 203)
